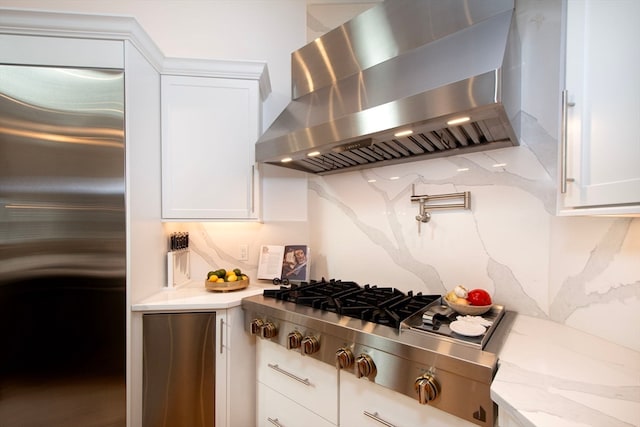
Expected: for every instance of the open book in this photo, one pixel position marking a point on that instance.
(284, 262)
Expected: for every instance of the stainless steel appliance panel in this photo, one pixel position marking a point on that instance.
(62, 247)
(61, 172)
(403, 81)
(179, 370)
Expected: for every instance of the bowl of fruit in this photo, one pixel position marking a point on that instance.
(473, 303)
(222, 280)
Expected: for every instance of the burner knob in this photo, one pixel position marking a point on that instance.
(269, 330)
(294, 340)
(365, 366)
(344, 358)
(310, 345)
(427, 388)
(256, 326)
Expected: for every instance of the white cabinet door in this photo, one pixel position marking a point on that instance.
(222, 334)
(603, 97)
(238, 351)
(209, 129)
(309, 382)
(366, 404)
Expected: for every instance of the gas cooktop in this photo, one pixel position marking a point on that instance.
(401, 341)
(386, 306)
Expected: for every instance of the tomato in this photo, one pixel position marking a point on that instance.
(479, 297)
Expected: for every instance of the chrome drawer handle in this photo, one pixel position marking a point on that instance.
(376, 417)
(304, 381)
(275, 422)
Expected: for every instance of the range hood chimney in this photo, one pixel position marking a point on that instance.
(404, 65)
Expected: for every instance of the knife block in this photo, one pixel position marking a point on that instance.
(178, 267)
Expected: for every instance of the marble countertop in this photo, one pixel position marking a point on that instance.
(550, 375)
(553, 375)
(194, 296)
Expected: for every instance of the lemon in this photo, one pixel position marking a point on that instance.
(232, 278)
(451, 296)
(211, 273)
(220, 280)
(213, 278)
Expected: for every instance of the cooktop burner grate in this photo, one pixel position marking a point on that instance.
(386, 306)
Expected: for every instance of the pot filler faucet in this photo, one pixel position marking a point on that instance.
(424, 214)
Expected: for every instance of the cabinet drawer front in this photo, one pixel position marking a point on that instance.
(370, 405)
(275, 410)
(310, 383)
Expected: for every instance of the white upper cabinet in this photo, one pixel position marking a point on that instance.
(210, 124)
(600, 142)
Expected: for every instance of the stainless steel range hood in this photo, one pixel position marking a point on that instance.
(402, 65)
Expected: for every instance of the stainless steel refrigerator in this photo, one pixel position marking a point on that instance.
(62, 247)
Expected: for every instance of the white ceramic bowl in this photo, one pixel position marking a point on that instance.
(471, 310)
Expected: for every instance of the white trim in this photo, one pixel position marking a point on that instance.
(78, 25)
(244, 70)
(116, 27)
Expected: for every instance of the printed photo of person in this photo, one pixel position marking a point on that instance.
(294, 264)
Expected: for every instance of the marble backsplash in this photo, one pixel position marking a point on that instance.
(580, 271)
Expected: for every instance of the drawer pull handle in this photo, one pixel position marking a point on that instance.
(304, 381)
(376, 417)
(275, 422)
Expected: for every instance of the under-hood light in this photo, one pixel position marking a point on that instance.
(286, 160)
(403, 133)
(458, 121)
(313, 154)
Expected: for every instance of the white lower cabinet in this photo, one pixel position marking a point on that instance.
(363, 404)
(311, 384)
(235, 370)
(274, 409)
(297, 390)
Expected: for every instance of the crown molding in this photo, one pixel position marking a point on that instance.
(117, 27)
(78, 25)
(234, 69)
